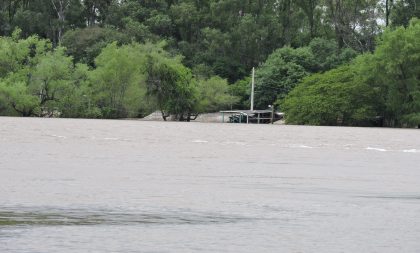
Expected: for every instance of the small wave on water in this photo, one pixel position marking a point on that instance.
(199, 141)
(392, 197)
(377, 149)
(303, 146)
(394, 150)
(73, 217)
(411, 151)
(239, 143)
(57, 136)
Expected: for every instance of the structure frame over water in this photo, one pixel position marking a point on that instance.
(251, 116)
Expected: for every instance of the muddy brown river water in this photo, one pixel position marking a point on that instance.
(73, 185)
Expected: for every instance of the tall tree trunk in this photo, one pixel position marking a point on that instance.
(308, 7)
(60, 6)
(388, 7)
(286, 9)
(335, 9)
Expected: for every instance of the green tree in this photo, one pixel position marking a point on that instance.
(355, 23)
(18, 59)
(43, 79)
(336, 97)
(51, 79)
(402, 11)
(173, 87)
(287, 66)
(309, 7)
(46, 18)
(213, 95)
(118, 81)
(327, 55)
(241, 89)
(385, 83)
(37, 80)
(85, 44)
(186, 19)
(78, 100)
(397, 74)
(275, 79)
(96, 10)
(18, 98)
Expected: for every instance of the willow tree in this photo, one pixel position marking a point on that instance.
(173, 87)
(118, 81)
(36, 77)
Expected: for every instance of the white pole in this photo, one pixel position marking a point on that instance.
(252, 89)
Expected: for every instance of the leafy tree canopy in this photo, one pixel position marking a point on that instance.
(333, 98)
(384, 85)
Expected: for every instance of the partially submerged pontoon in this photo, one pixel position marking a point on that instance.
(251, 116)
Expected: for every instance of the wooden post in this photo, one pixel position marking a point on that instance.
(252, 89)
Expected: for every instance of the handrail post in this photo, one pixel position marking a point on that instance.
(272, 114)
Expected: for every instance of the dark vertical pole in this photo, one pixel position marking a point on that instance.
(272, 114)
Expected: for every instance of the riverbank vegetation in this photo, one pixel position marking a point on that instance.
(322, 62)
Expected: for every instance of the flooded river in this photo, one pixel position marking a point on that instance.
(132, 186)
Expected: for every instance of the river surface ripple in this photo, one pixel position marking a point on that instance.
(70, 185)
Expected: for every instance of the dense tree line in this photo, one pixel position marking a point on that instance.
(37, 79)
(226, 38)
(380, 88)
(125, 58)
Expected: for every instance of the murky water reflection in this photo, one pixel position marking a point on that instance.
(69, 217)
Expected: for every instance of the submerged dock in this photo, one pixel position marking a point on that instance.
(251, 116)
